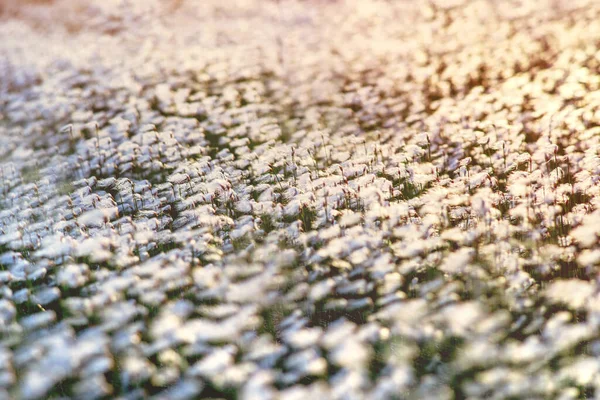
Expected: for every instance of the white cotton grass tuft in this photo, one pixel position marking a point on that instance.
(570, 292)
(98, 217)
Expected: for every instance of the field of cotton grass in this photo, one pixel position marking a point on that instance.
(249, 199)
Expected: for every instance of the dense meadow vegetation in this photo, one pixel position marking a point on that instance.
(251, 199)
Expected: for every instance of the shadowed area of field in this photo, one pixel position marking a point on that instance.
(253, 199)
